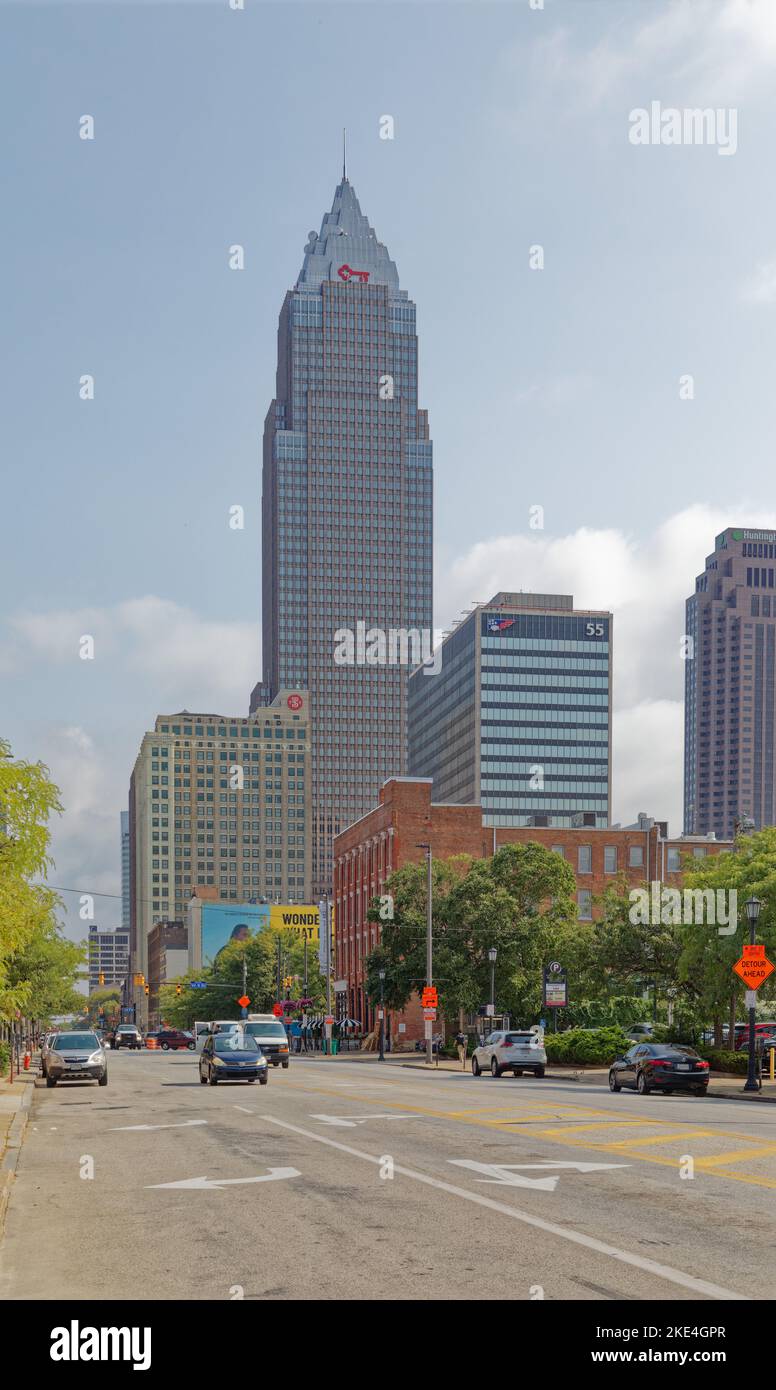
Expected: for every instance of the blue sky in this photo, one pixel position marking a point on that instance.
(557, 388)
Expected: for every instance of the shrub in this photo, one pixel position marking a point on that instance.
(5, 1058)
(595, 1047)
(721, 1060)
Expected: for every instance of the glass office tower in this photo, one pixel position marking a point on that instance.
(730, 688)
(518, 720)
(346, 515)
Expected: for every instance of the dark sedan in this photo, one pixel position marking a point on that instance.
(663, 1067)
(231, 1057)
(174, 1038)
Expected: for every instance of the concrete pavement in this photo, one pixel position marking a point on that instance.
(345, 1180)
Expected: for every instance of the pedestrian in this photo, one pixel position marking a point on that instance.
(460, 1042)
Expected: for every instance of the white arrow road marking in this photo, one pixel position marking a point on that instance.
(526, 1218)
(245, 1110)
(184, 1124)
(504, 1172)
(211, 1184)
(350, 1123)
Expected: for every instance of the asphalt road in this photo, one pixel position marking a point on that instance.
(386, 1182)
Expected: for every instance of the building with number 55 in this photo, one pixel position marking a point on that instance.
(518, 720)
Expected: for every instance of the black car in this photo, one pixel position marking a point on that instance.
(660, 1067)
(232, 1057)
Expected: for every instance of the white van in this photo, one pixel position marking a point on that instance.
(203, 1030)
(270, 1035)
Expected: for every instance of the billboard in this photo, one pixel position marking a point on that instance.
(226, 922)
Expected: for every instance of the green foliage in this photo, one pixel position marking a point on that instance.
(619, 1010)
(219, 1000)
(5, 1058)
(721, 1060)
(521, 901)
(598, 1047)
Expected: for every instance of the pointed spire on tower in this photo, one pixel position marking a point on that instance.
(344, 168)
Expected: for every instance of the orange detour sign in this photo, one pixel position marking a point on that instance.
(429, 998)
(754, 966)
(243, 1001)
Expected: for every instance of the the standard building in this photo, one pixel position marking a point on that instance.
(517, 718)
(346, 517)
(108, 957)
(730, 642)
(220, 801)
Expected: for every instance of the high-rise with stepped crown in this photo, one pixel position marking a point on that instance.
(346, 516)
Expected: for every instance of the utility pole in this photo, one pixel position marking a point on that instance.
(277, 995)
(245, 982)
(753, 907)
(429, 944)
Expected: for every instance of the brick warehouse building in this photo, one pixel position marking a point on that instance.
(370, 850)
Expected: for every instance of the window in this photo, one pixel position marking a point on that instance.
(558, 849)
(585, 905)
(636, 856)
(610, 859)
(585, 859)
(674, 863)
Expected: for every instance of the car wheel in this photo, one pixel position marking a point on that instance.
(476, 1069)
(190, 1046)
(285, 1066)
(165, 1047)
(495, 1070)
(51, 1081)
(518, 1071)
(539, 1071)
(263, 1080)
(700, 1091)
(104, 1079)
(642, 1085)
(613, 1084)
(668, 1090)
(202, 1079)
(212, 1078)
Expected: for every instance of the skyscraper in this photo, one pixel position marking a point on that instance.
(126, 876)
(729, 686)
(518, 720)
(346, 514)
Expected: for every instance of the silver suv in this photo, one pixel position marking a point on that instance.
(76, 1057)
(515, 1051)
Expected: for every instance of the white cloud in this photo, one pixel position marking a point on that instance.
(191, 660)
(645, 584)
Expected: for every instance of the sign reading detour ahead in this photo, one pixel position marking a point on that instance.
(754, 967)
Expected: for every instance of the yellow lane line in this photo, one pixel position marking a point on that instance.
(662, 1138)
(599, 1124)
(735, 1157)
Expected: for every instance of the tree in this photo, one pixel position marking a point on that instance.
(521, 900)
(27, 800)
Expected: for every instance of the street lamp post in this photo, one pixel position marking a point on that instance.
(753, 908)
(492, 954)
(381, 978)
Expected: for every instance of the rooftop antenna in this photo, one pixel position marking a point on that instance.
(344, 169)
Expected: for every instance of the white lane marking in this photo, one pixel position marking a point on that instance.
(245, 1110)
(673, 1276)
(183, 1124)
(211, 1184)
(350, 1122)
(504, 1173)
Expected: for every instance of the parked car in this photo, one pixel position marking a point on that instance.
(127, 1035)
(515, 1051)
(761, 1031)
(174, 1039)
(45, 1045)
(660, 1067)
(640, 1032)
(232, 1057)
(76, 1057)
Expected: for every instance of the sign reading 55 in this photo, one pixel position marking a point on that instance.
(594, 629)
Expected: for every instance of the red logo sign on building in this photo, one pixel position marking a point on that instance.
(346, 273)
(294, 702)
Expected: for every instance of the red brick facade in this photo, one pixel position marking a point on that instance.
(368, 852)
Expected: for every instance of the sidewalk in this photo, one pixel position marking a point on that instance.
(15, 1102)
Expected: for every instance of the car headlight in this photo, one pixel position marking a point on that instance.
(262, 1062)
(96, 1057)
(219, 1061)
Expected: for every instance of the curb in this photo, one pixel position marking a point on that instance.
(12, 1150)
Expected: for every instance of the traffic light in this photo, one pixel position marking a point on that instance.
(178, 990)
(146, 989)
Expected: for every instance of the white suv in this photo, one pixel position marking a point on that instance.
(510, 1051)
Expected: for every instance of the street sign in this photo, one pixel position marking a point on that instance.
(197, 984)
(244, 1001)
(490, 1010)
(754, 967)
(328, 1021)
(429, 998)
(428, 1013)
(750, 999)
(555, 991)
(555, 967)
